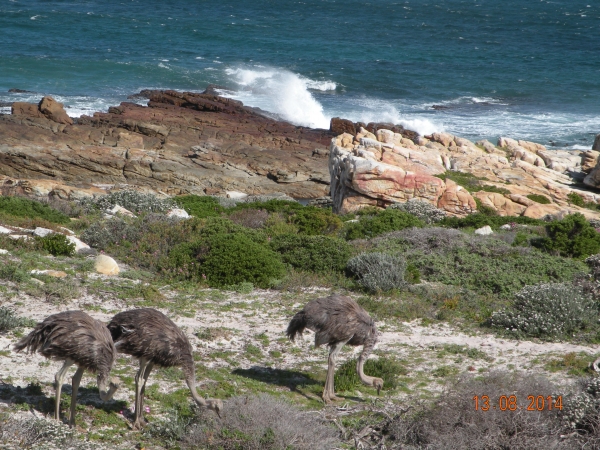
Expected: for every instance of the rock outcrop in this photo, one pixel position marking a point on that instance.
(381, 168)
(181, 143)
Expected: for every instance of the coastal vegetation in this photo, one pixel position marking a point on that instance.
(256, 261)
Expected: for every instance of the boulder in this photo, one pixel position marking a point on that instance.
(106, 265)
(484, 231)
(499, 203)
(42, 232)
(339, 126)
(596, 145)
(178, 213)
(118, 210)
(54, 111)
(4, 230)
(80, 246)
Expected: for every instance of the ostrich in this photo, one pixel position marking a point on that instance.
(338, 320)
(75, 338)
(152, 338)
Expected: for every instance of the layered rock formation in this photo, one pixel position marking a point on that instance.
(377, 169)
(181, 143)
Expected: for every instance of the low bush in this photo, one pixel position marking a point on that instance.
(454, 423)
(250, 218)
(9, 320)
(199, 206)
(538, 198)
(102, 234)
(134, 201)
(478, 220)
(378, 272)
(500, 275)
(312, 253)
(312, 221)
(346, 378)
(576, 199)
(57, 244)
(572, 236)
(261, 423)
(424, 211)
(547, 310)
(15, 272)
(369, 226)
(31, 209)
(235, 258)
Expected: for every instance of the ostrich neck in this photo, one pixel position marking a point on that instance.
(105, 388)
(190, 379)
(361, 374)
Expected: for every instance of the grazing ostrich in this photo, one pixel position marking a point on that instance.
(75, 338)
(152, 338)
(338, 320)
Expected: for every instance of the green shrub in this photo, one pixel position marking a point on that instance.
(199, 206)
(346, 378)
(501, 275)
(383, 222)
(134, 201)
(478, 220)
(274, 205)
(538, 198)
(312, 221)
(9, 320)
(14, 272)
(102, 234)
(421, 210)
(572, 236)
(57, 244)
(312, 253)
(235, 258)
(23, 207)
(467, 180)
(378, 272)
(547, 310)
(521, 239)
(575, 199)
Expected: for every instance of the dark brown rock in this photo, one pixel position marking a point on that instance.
(340, 126)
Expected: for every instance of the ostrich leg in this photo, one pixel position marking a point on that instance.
(137, 423)
(146, 375)
(75, 388)
(59, 378)
(329, 391)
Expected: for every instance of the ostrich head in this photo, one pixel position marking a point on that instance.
(377, 384)
(107, 386)
(215, 404)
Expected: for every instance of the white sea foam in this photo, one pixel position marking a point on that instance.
(281, 92)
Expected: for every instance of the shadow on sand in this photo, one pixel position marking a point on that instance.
(33, 398)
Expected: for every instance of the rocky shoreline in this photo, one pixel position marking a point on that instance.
(190, 143)
(180, 143)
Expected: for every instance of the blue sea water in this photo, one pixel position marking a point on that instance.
(528, 69)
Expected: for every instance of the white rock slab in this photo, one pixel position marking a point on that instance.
(41, 232)
(179, 213)
(484, 231)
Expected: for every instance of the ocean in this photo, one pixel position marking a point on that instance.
(526, 69)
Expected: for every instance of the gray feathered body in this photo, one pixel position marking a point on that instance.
(149, 334)
(334, 319)
(72, 335)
